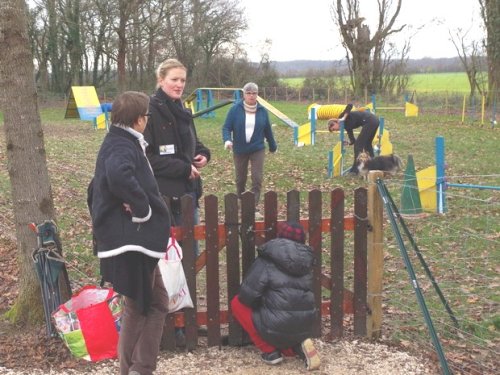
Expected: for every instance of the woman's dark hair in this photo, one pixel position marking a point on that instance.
(128, 107)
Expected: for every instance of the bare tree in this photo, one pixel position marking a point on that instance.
(71, 27)
(490, 13)
(470, 54)
(153, 24)
(38, 34)
(27, 164)
(182, 28)
(222, 21)
(395, 78)
(98, 28)
(364, 51)
(127, 9)
(120, 42)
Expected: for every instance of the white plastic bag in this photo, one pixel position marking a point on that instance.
(174, 278)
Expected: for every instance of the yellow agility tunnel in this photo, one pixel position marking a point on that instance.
(328, 111)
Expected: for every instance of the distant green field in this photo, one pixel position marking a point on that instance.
(421, 82)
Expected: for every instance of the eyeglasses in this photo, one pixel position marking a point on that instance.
(252, 93)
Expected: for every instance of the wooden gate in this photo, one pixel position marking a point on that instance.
(236, 231)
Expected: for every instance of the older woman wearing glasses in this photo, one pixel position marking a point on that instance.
(246, 127)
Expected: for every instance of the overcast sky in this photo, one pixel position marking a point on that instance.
(304, 30)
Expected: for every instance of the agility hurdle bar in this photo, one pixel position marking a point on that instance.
(410, 109)
(441, 182)
(202, 99)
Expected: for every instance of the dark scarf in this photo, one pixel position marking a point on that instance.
(183, 121)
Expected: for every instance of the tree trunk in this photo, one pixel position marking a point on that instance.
(366, 61)
(52, 47)
(74, 42)
(26, 157)
(490, 13)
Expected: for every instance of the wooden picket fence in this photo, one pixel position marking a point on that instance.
(239, 235)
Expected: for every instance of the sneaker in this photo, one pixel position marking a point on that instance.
(308, 353)
(272, 358)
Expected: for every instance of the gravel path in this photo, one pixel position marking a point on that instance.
(339, 358)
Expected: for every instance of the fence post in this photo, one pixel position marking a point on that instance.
(375, 262)
(212, 276)
(189, 263)
(233, 263)
(360, 243)
(315, 239)
(293, 206)
(337, 262)
(247, 231)
(270, 215)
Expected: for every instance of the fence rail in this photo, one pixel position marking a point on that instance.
(239, 235)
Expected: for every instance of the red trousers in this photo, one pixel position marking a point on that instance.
(243, 314)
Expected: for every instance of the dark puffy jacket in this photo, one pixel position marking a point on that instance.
(278, 287)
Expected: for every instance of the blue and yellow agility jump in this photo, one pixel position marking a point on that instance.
(410, 109)
(84, 104)
(431, 184)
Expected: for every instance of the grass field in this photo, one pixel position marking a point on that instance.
(462, 246)
(455, 82)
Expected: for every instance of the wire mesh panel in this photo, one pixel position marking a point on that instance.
(461, 252)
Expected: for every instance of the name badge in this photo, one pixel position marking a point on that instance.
(167, 149)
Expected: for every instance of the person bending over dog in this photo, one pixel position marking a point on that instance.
(354, 119)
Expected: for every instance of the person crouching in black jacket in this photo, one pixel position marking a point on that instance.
(275, 304)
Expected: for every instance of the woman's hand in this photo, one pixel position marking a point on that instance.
(194, 173)
(200, 161)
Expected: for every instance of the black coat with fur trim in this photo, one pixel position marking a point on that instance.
(129, 249)
(278, 288)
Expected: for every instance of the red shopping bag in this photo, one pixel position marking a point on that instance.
(89, 323)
